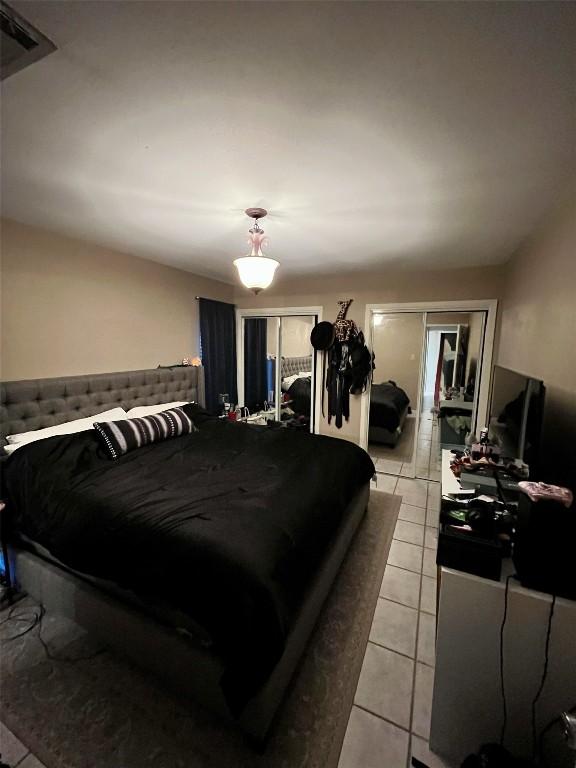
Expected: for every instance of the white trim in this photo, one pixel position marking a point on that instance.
(279, 311)
(277, 367)
(241, 315)
(423, 348)
(489, 306)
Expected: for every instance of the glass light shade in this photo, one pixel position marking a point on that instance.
(256, 272)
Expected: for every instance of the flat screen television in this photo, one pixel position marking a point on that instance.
(516, 411)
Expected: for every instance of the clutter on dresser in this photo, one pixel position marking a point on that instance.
(546, 492)
(492, 513)
(475, 534)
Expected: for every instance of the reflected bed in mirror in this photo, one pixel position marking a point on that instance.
(278, 369)
(397, 341)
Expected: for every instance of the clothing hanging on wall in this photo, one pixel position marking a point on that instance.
(350, 366)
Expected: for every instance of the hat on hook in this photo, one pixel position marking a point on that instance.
(322, 336)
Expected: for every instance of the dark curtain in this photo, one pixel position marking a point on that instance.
(255, 363)
(218, 341)
(448, 365)
(462, 356)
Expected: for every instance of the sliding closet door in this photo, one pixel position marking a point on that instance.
(296, 371)
(276, 368)
(453, 369)
(398, 346)
(260, 353)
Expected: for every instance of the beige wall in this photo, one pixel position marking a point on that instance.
(397, 346)
(386, 286)
(296, 336)
(70, 307)
(538, 331)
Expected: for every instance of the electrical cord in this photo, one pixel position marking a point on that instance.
(33, 617)
(544, 675)
(502, 685)
(29, 617)
(499, 487)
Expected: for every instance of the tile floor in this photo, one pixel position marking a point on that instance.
(14, 753)
(390, 720)
(426, 463)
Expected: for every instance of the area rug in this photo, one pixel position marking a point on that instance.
(104, 712)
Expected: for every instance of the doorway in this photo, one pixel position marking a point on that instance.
(438, 337)
(428, 392)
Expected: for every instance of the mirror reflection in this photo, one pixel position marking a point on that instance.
(278, 370)
(397, 342)
(260, 353)
(454, 342)
(424, 389)
(296, 370)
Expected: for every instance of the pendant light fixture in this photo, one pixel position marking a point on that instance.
(256, 271)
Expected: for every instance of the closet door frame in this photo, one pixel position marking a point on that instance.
(279, 312)
(490, 306)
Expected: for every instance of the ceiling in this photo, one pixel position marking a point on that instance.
(376, 134)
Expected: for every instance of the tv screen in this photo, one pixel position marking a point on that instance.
(516, 409)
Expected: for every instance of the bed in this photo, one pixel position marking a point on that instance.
(199, 557)
(389, 406)
(296, 381)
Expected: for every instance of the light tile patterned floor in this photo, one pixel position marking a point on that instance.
(390, 719)
(14, 753)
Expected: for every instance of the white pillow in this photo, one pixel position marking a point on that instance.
(287, 382)
(67, 428)
(151, 410)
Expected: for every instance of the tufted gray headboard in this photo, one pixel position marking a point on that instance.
(38, 403)
(293, 365)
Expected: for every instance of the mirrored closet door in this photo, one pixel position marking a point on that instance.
(425, 387)
(276, 369)
(450, 386)
(397, 343)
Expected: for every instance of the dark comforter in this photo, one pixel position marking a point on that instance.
(387, 404)
(227, 524)
(300, 393)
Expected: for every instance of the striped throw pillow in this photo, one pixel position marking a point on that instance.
(119, 437)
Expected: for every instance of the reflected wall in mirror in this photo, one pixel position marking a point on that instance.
(397, 343)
